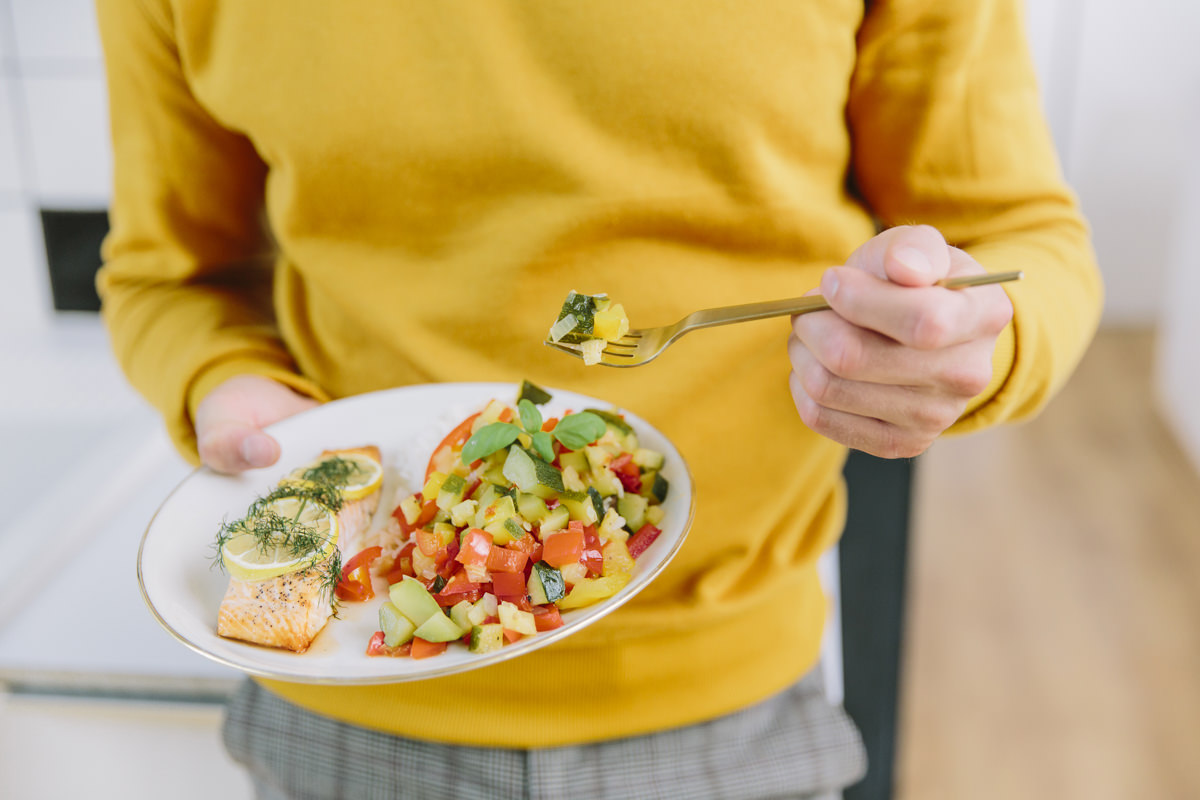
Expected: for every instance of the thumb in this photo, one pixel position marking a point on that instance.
(909, 255)
(233, 447)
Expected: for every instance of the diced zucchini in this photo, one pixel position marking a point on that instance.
(433, 485)
(439, 628)
(528, 472)
(598, 456)
(633, 508)
(606, 482)
(556, 519)
(514, 528)
(497, 512)
(517, 620)
(613, 420)
(451, 493)
(580, 507)
(477, 613)
(576, 459)
(597, 502)
(583, 308)
(545, 584)
(658, 489)
(648, 459)
(412, 599)
(460, 612)
(533, 393)
(463, 513)
(655, 514)
(397, 628)
(486, 638)
(531, 508)
(572, 481)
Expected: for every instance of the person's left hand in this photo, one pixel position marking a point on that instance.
(896, 361)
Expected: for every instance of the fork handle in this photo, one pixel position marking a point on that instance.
(794, 306)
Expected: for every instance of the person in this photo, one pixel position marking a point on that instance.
(314, 200)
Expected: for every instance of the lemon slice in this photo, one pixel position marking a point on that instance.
(307, 536)
(355, 475)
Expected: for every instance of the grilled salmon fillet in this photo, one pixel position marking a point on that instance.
(289, 611)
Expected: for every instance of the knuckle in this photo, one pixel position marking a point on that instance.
(817, 382)
(969, 380)
(932, 329)
(844, 354)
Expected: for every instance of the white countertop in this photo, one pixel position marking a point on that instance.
(87, 464)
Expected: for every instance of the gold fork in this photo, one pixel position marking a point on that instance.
(641, 346)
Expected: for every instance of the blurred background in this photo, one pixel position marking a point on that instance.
(1050, 644)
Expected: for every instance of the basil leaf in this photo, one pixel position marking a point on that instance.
(531, 418)
(489, 439)
(579, 430)
(543, 445)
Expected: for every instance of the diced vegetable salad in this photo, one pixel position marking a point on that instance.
(590, 321)
(521, 517)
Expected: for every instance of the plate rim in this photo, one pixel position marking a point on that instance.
(528, 645)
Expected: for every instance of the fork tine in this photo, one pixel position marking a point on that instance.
(564, 348)
(621, 343)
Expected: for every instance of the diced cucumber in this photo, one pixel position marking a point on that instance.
(545, 584)
(486, 638)
(633, 508)
(556, 519)
(533, 393)
(648, 459)
(517, 620)
(413, 600)
(397, 628)
(460, 612)
(451, 492)
(439, 628)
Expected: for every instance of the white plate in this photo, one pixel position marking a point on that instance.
(183, 589)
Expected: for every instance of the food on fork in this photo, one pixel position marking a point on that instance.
(520, 518)
(590, 321)
(284, 557)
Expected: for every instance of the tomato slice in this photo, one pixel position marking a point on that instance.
(403, 565)
(454, 439)
(376, 647)
(627, 472)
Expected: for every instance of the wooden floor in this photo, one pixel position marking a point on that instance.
(1053, 642)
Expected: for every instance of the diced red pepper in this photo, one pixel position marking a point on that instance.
(563, 547)
(509, 585)
(549, 424)
(403, 565)
(355, 583)
(511, 635)
(593, 556)
(424, 649)
(459, 583)
(428, 511)
(502, 559)
(547, 617)
(428, 542)
(627, 472)
(644, 537)
(474, 547)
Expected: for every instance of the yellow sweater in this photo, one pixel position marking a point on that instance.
(416, 185)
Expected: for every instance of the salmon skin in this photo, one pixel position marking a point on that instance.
(289, 611)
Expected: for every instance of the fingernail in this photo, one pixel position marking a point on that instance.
(913, 258)
(258, 450)
(829, 286)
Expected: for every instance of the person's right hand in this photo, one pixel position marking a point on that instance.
(230, 418)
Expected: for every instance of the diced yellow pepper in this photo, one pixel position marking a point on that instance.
(610, 324)
(617, 560)
(592, 590)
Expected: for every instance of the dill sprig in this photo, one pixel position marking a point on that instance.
(334, 471)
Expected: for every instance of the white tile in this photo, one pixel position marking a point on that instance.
(11, 182)
(56, 30)
(25, 304)
(69, 136)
